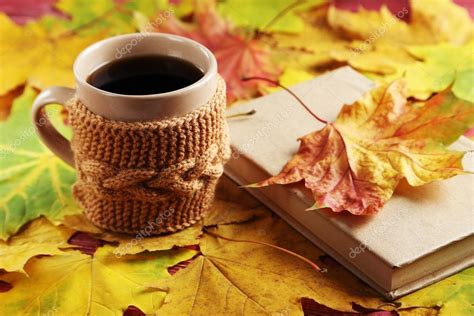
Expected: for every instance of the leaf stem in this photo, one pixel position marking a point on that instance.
(243, 114)
(90, 23)
(282, 13)
(294, 254)
(276, 83)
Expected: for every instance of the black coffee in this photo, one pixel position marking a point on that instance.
(149, 74)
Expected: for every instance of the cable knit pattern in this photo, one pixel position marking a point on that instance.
(156, 173)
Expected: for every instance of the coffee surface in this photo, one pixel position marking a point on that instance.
(142, 75)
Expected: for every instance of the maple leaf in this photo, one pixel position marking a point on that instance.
(46, 58)
(355, 163)
(366, 25)
(139, 242)
(240, 278)
(439, 66)
(106, 17)
(431, 52)
(383, 61)
(454, 294)
(273, 16)
(85, 243)
(441, 21)
(79, 284)
(149, 7)
(33, 181)
(306, 54)
(426, 69)
(40, 237)
(238, 54)
(373, 42)
(226, 212)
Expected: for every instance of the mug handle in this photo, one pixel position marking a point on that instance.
(56, 142)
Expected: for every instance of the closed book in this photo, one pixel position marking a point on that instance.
(421, 235)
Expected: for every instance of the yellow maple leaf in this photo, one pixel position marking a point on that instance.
(226, 212)
(440, 21)
(40, 237)
(139, 242)
(385, 48)
(34, 55)
(443, 20)
(233, 278)
(78, 284)
(308, 50)
(384, 60)
(370, 26)
(241, 278)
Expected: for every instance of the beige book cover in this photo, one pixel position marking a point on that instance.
(422, 234)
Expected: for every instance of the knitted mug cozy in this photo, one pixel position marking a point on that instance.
(157, 174)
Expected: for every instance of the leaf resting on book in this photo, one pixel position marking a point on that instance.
(355, 163)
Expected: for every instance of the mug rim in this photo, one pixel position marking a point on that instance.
(208, 75)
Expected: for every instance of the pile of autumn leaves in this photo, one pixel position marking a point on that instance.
(45, 267)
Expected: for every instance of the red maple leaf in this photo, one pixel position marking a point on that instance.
(239, 54)
(22, 11)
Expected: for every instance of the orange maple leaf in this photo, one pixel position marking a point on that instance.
(355, 163)
(239, 54)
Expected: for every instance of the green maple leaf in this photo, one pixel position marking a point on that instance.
(427, 69)
(454, 295)
(147, 7)
(440, 66)
(33, 182)
(259, 14)
(92, 17)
